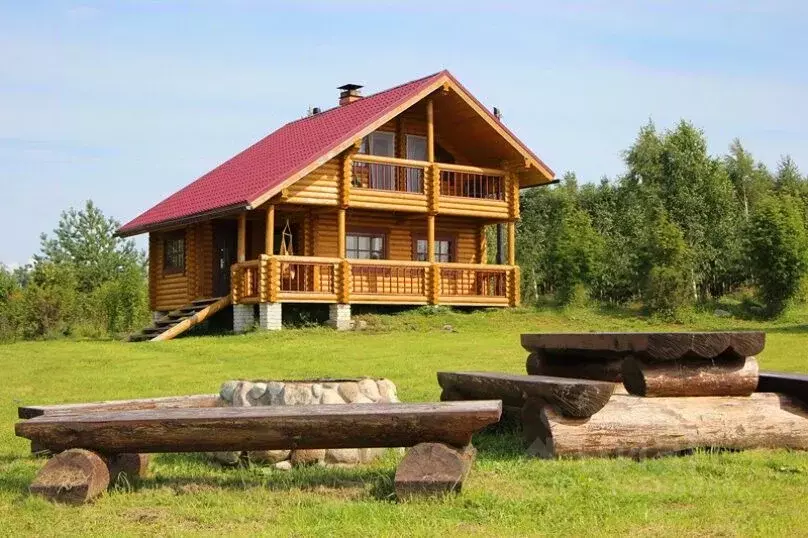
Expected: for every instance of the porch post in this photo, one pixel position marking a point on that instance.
(341, 233)
(241, 249)
(269, 240)
(511, 243)
(430, 132)
(430, 238)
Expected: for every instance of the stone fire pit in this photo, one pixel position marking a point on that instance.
(364, 390)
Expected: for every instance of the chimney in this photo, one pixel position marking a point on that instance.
(349, 93)
(497, 113)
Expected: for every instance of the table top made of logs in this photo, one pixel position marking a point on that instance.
(653, 346)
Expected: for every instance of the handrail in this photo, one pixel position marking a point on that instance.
(396, 263)
(313, 259)
(479, 266)
(378, 159)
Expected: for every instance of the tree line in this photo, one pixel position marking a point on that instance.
(677, 228)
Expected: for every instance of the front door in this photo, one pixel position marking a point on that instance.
(225, 240)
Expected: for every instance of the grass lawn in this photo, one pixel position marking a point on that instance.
(723, 494)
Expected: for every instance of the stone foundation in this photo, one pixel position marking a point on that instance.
(243, 317)
(339, 316)
(269, 316)
(240, 393)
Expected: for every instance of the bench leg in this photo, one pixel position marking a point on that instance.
(432, 469)
(75, 476)
(39, 451)
(129, 467)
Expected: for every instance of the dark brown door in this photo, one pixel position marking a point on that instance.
(224, 255)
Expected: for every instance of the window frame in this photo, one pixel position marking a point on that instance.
(371, 233)
(175, 236)
(449, 238)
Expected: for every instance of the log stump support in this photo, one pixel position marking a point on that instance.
(430, 469)
(722, 376)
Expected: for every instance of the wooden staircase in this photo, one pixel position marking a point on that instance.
(178, 321)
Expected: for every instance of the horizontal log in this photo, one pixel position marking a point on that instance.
(722, 376)
(642, 427)
(169, 402)
(795, 385)
(651, 346)
(387, 207)
(572, 397)
(575, 367)
(72, 477)
(224, 429)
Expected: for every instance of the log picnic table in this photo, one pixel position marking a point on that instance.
(97, 445)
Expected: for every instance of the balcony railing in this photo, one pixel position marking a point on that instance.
(327, 280)
(379, 173)
(471, 184)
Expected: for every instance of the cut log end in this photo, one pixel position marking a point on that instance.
(432, 469)
(722, 376)
(127, 467)
(74, 476)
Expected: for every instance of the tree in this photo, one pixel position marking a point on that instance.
(666, 264)
(86, 241)
(788, 178)
(777, 248)
(751, 180)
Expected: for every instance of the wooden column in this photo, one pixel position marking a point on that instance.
(242, 238)
(269, 240)
(341, 233)
(430, 238)
(430, 132)
(511, 243)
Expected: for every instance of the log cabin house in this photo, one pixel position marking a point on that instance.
(383, 199)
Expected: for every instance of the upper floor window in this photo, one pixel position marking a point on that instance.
(365, 246)
(383, 144)
(174, 252)
(443, 250)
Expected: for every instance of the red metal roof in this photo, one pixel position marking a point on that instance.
(269, 162)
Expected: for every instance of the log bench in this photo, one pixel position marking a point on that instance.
(98, 444)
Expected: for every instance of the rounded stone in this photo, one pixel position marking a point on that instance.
(284, 465)
(308, 457)
(348, 390)
(367, 455)
(369, 388)
(227, 458)
(388, 391)
(342, 455)
(316, 390)
(331, 397)
(273, 394)
(258, 390)
(240, 394)
(227, 390)
(268, 456)
(361, 399)
(296, 394)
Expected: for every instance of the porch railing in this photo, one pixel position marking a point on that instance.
(389, 279)
(329, 280)
(471, 182)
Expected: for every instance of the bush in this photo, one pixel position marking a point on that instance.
(776, 248)
(667, 269)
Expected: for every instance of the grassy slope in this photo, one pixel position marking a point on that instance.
(753, 493)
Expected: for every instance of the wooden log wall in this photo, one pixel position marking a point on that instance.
(173, 290)
(400, 234)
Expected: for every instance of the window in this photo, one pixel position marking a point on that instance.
(443, 250)
(383, 144)
(174, 252)
(365, 246)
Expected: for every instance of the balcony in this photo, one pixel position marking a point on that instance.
(304, 279)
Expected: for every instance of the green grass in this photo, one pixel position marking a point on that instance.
(718, 494)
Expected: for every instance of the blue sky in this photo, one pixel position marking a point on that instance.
(125, 102)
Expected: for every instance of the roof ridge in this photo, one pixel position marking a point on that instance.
(339, 107)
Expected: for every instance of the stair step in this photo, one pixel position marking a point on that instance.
(205, 302)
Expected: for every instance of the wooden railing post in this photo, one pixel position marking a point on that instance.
(235, 281)
(514, 293)
(273, 279)
(344, 280)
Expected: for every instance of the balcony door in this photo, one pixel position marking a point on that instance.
(382, 176)
(416, 151)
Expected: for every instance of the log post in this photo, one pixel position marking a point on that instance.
(433, 469)
(269, 240)
(643, 427)
(241, 248)
(128, 467)
(511, 242)
(722, 376)
(75, 476)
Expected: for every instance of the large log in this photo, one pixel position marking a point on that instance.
(584, 367)
(642, 427)
(722, 376)
(795, 385)
(170, 402)
(432, 469)
(72, 477)
(264, 428)
(572, 397)
(653, 346)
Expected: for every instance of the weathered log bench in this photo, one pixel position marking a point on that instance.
(571, 397)
(653, 364)
(100, 443)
